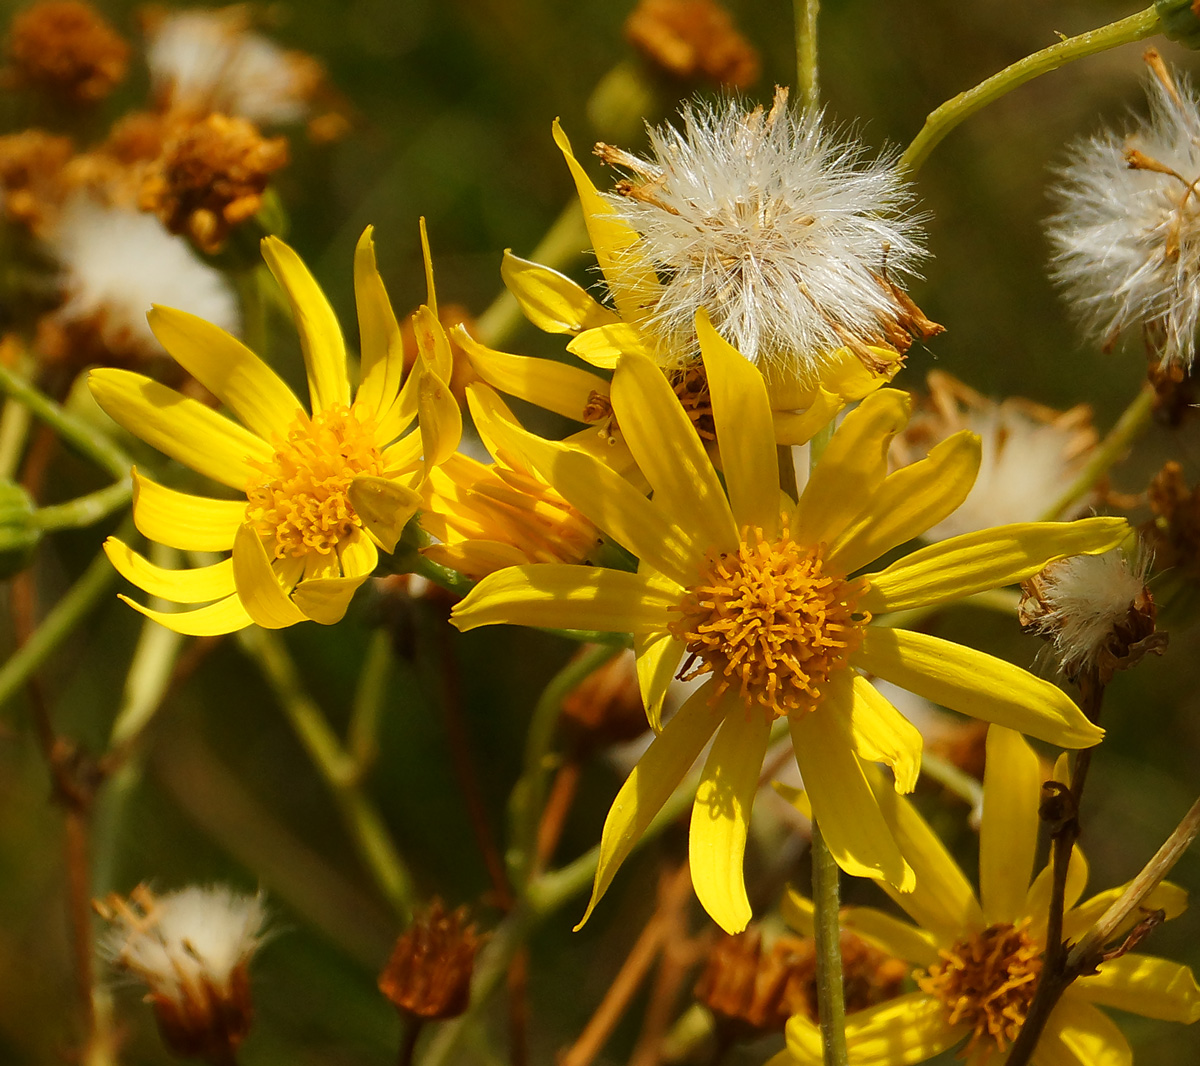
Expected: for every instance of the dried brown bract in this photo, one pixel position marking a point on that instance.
(429, 973)
(32, 165)
(65, 48)
(211, 177)
(694, 40)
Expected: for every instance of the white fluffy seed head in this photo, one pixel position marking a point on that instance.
(115, 262)
(187, 940)
(209, 60)
(788, 235)
(1126, 236)
(1079, 604)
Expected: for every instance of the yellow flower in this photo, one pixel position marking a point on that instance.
(979, 957)
(760, 594)
(323, 489)
(489, 516)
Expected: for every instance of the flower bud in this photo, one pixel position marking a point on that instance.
(1179, 21)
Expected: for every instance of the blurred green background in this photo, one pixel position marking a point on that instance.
(452, 104)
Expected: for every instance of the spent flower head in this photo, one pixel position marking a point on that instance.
(1126, 236)
(788, 235)
(192, 949)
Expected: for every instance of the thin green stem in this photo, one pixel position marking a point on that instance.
(564, 242)
(831, 999)
(362, 736)
(85, 510)
(806, 12)
(951, 778)
(529, 793)
(89, 440)
(15, 420)
(361, 816)
(81, 599)
(1133, 421)
(941, 121)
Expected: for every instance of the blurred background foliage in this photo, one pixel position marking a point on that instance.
(451, 104)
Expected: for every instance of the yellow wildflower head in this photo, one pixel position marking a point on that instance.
(324, 488)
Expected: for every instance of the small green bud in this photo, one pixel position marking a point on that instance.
(1180, 21)
(19, 529)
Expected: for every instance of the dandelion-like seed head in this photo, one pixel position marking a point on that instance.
(788, 236)
(770, 619)
(987, 981)
(1094, 609)
(1126, 236)
(302, 505)
(192, 949)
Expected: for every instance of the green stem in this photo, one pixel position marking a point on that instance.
(831, 999)
(1134, 419)
(14, 430)
(806, 12)
(82, 598)
(529, 793)
(951, 778)
(85, 510)
(362, 737)
(89, 440)
(952, 112)
(362, 818)
(564, 242)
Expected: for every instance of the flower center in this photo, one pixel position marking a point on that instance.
(988, 982)
(769, 619)
(302, 503)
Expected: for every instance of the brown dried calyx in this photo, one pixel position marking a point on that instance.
(694, 40)
(754, 992)
(429, 973)
(210, 177)
(65, 48)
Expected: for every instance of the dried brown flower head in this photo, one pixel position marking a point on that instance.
(756, 991)
(429, 973)
(606, 707)
(66, 48)
(210, 177)
(1174, 533)
(32, 165)
(693, 40)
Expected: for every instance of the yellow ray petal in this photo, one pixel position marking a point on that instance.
(899, 1032)
(900, 939)
(320, 335)
(384, 506)
(381, 349)
(557, 387)
(631, 280)
(799, 427)
(561, 596)
(228, 369)
(852, 468)
(1145, 985)
(842, 801)
(882, 734)
(976, 684)
(475, 558)
(179, 520)
(909, 502)
(991, 558)
(658, 655)
(943, 901)
(195, 435)
(847, 375)
(440, 421)
(669, 452)
(199, 585)
(604, 345)
(593, 489)
(1167, 897)
(1008, 836)
(721, 816)
(224, 616)
(325, 599)
(1037, 899)
(1077, 1034)
(742, 414)
(258, 587)
(550, 300)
